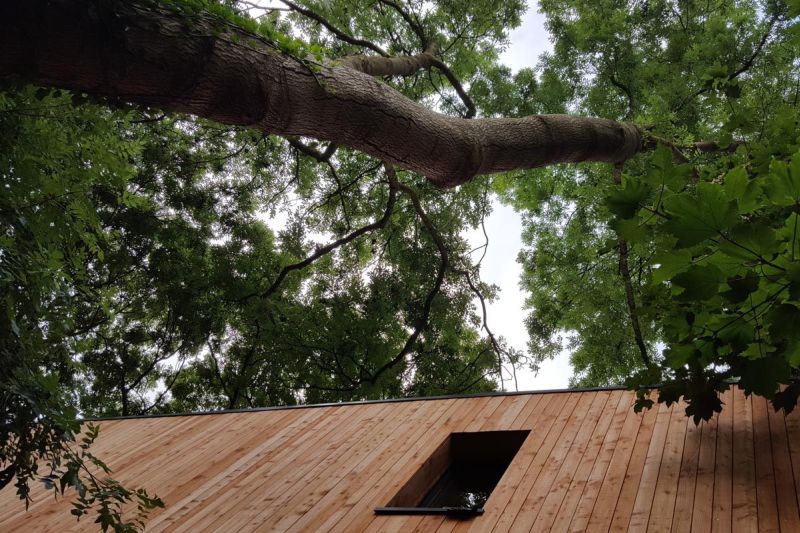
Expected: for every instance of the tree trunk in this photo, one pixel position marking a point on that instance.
(143, 52)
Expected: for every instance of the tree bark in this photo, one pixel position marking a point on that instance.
(144, 52)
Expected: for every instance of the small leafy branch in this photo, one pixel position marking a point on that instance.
(79, 469)
(33, 401)
(723, 237)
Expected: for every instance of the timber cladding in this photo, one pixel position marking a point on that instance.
(589, 463)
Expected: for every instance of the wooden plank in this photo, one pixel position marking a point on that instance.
(793, 433)
(633, 475)
(313, 495)
(573, 494)
(745, 506)
(359, 504)
(144, 464)
(567, 411)
(765, 476)
(505, 414)
(687, 481)
(216, 444)
(723, 469)
(586, 413)
(503, 420)
(388, 524)
(346, 446)
(203, 498)
(665, 493)
(603, 510)
(324, 469)
(508, 417)
(346, 515)
(273, 471)
(552, 494)
(538, 422)
(230, 458)
(583, 511)
(531, 412)
(402, 469)
(652, 464)
(112, 436)
(789, 520)
(328, 501)
(416, 453)
(193, 461)
(355, 503)
(702, 511)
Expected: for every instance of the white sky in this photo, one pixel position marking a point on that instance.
(506, 314)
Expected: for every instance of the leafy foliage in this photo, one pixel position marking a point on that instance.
(710, 227)
(139, 253)
(154, 263)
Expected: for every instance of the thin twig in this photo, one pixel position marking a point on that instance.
(342, 36)
(495, 345)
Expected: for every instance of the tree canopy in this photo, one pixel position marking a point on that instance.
(163, 250)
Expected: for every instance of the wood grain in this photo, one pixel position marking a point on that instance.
(589, 464)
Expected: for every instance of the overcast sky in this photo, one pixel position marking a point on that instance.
(506, 315)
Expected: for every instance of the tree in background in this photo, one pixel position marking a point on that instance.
(695, 243)
(141, 274)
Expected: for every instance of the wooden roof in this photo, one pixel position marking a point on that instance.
(589, 463)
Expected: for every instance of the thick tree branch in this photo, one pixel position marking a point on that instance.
(626, 91)
(167, 388)
(389, 66)
(217, 369)
(140, 51)
(324, 250)
(406, 66)
(422, 321)
(650, 142)
(342, 36)
(625, 273)
(233, 399)
(459, 89)
(630, 300)
(322, 157)
(256, 5)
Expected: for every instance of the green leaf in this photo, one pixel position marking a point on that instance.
(625, 200)
(696, 218)
(742, 286)
(700, 282)
(793, 275)
(750, 241)
(784, 322)
(783, 183)
(678, 355)
(745, 191)
(630, 229)
(671, 263)
(738, 333)
(763, 376)
(663, 171)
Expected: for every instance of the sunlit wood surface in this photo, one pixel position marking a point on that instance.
(590, 463)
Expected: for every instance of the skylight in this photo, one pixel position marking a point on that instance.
(459, 477)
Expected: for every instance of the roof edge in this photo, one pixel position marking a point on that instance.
(360, 402)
